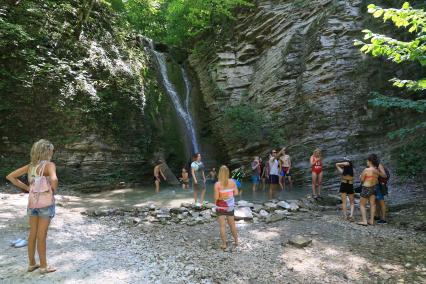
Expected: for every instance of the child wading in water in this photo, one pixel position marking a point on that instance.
(347, 187)
(41, 202)
(185, 179)
(224, 191)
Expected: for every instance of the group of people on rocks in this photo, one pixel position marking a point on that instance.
(43, 183)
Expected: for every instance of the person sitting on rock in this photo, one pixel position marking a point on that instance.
(212, 175)
(184, 179)
(158, 173)
(224, 192)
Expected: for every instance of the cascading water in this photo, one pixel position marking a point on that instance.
(183, 112)
(187, 88)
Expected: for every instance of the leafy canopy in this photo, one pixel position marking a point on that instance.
(396, 50)
(411, 51)
(178, 22)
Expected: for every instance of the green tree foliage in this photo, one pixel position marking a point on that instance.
(411, 51)
(242, 124)
(178, 22)
(147, 16)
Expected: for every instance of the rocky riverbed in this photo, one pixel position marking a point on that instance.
(304, 245)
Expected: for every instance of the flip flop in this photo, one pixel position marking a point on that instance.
(362, 224)
(13, 243)
(31, 268)
(21, 244)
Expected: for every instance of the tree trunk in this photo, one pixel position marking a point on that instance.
(83, 15)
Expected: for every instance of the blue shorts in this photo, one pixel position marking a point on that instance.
(45, 212)
(255, 179)
(379, 195)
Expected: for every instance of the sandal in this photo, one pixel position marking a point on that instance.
(46, 270)
(31, 268)
(351, 219)
(371, 224)
(362, 224)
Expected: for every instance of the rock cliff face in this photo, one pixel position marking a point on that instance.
(294, 61)
(95, 96)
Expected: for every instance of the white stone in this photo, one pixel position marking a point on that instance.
(243, 213)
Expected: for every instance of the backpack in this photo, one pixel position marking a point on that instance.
(40, 194)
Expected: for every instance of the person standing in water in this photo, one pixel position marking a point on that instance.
(158, 173)
(198, 178)
(316, 168)
(369, 178)
(347, 187)
(265, 175)
(224, 192)
(274, 171)
(41, 201)
(255, 172)
(285, 162)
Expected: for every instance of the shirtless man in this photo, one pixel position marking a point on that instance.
(285, 162)
(157, 172)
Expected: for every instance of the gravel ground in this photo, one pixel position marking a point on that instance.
(109, 250)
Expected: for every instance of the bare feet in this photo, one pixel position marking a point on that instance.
(31, 268)
(46, 270)
(223, 246)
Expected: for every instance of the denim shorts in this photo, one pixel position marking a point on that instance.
(255, 179)
(45, 212)
(379, 195)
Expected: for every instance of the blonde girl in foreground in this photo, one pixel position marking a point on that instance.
(224, 191)
(41, 204)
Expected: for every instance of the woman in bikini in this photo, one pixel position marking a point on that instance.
(369, 178)
(224, 192)
(39, 218)
(347, 187)
(316, 168)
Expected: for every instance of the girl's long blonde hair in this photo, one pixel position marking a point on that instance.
(223, 176)
(317, 150)
(41, 150)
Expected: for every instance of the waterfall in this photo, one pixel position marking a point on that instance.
(181, 110)
(187, 88)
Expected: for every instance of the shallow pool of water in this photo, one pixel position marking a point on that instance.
(172, 196)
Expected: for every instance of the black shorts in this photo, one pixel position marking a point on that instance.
(347, 188)
(273, 179)
(230, 213)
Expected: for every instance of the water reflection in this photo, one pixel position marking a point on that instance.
(172, 196)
